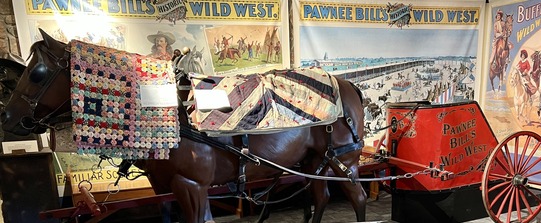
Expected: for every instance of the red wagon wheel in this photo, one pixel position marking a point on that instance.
(512, 179)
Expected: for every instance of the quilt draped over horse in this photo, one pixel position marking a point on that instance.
(108, 115)
(272, 101)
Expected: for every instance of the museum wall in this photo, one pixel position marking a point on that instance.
(8, 30)
(8, 37)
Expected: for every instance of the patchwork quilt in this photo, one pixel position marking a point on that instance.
(108, 117)
(273, 101)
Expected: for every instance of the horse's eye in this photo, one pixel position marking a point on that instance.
(38, 73)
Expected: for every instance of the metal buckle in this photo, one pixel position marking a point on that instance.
(329, 128)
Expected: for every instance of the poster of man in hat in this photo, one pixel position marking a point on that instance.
(161, 48)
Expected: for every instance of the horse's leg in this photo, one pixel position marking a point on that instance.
(357, 197)
(307, 207)
(320, 197)
(318, 188)
(208, 215)
(492, 85)
(158, 187)
(354, 192)
(517, 108)
(192, 197)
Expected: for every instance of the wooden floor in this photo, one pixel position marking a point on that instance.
(338, 211)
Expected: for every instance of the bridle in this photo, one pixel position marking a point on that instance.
(42, 76)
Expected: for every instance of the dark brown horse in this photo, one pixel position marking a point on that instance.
(230, 53)
(501, 55)
(43, 95)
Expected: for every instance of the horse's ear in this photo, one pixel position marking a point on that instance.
(49, 41)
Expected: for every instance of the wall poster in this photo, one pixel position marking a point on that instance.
(255, 34)
(206, 27)
(511, 94)
(394, 51)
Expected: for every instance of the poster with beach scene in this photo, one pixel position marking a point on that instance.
(395, 52)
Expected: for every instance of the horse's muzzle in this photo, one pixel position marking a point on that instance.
(11, 126)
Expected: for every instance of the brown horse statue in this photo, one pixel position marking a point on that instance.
(501, 56)
(230, 53)
(42, 98)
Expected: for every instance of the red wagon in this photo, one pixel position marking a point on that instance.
(458, 138)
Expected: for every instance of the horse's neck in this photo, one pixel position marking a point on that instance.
(184, 95)
(519, 88)
(535, 66)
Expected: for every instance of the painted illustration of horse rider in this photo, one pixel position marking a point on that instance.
(225, 43)
(500, 31)
(523, 67)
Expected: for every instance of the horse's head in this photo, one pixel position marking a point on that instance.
(43, 89)
(509, 18)
(508, 29)
(514, 78)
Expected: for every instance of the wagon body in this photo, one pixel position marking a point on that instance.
(457, 138)
(455, 135)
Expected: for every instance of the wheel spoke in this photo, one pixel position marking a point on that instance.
(496, 176)
(504, 165)
(516, 195)
(533, 195)
(532, 173)
(536, 183)
(522, 154)
(515, 157)
(498, 196)
(509, 197)
(497, 186)
(508, 158)
(524, 200)
(532, 165)
(523, 166)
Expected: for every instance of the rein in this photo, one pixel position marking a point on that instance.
(40, 74)
(395, 122)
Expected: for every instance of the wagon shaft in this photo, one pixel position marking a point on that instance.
(384, 160)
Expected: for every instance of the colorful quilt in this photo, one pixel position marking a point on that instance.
(269, 102)
(108, 117)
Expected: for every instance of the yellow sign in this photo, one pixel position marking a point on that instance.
(391, 13)
(104, 175)
(268, 10)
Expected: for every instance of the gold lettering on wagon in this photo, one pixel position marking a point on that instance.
(463, 136)
(456, 129)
